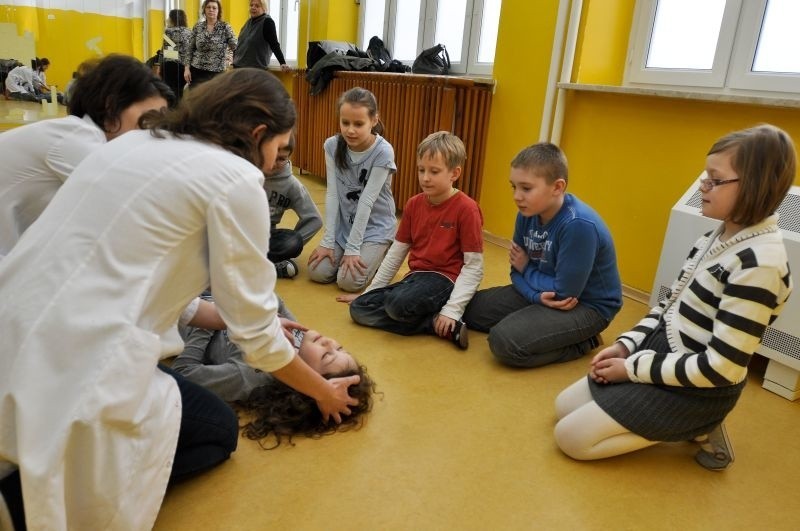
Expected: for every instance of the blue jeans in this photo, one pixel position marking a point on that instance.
(209, 429)
(522, 334)
(406, 307)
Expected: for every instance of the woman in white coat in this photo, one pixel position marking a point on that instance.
(93, 290)
(38, 158)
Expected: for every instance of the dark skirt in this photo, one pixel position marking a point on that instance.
(663, 412)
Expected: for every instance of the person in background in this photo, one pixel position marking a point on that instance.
(441, 229)
(174, 55)
(21, 84)
(92, 294)
(359, 206)
(677, 374)
(207, 49)
(286, 192)
(258, 40)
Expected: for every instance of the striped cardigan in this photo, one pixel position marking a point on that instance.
(718, 308)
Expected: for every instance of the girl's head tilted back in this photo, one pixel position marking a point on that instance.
(229, 108)
(764, 160)
(357, 109)
(281, 412)
(116, 91)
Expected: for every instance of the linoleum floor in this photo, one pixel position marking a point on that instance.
(457, 442)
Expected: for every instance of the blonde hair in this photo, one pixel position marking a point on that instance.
(446, 144)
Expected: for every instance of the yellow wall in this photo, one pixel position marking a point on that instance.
(518, 102)
(631, 157)
(69, 37)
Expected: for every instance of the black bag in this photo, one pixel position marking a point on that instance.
(319, 49)
(378, 53)
(434, 60)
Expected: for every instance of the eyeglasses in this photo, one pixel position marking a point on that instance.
(706, 185)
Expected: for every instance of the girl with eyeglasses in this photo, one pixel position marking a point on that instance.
(677, 374)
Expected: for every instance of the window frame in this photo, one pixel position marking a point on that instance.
(467, 63)
(731, 72)
(282, 33)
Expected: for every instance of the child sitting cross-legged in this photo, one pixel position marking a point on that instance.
(441, 233)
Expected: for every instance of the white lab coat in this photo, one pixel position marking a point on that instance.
(36, 160)
(90, 296)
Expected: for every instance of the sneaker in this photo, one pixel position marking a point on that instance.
(459, 335)
(287, 269)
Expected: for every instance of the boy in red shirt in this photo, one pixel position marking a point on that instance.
(441, 232)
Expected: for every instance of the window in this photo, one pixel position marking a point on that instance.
(730, 46)
(285, 13)
(467, 28)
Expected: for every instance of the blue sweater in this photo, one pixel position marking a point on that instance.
(572, 255)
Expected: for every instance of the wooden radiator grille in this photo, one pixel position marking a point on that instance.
(411, 107)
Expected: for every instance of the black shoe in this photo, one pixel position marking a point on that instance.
(459, 335)
(287, 269)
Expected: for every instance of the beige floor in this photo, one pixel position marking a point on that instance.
(457, 441)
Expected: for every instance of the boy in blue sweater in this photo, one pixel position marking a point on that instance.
(565, 287)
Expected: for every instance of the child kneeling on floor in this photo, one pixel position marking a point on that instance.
(286, 192)
(677, 374)
(441, 231)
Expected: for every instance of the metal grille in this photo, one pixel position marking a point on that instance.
(782, 342)
(789, 211)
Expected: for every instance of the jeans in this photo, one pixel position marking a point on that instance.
(209, 429)
(407, 307)
(284, 244)
(522, 334)
(372, 254)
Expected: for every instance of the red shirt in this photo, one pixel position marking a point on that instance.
(439, 235)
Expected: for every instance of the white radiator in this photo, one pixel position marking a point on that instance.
(781, 342)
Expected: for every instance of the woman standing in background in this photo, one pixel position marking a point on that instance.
(207, 49)
(174, 51)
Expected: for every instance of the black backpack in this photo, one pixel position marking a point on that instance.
(434, 60)
(379, 53)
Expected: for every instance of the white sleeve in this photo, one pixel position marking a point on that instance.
(375, 182)
(331, 205)
(65, 155)
(189, 312)
(467, 284)
(242, 279)
(390, 266)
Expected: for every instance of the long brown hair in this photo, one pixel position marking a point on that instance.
(280, 412)
(226, 110)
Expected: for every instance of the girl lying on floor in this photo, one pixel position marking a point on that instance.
(276, 410)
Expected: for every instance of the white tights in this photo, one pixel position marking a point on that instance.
(584, 431)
